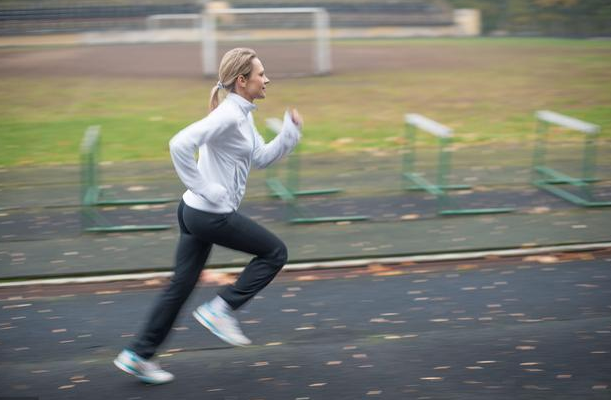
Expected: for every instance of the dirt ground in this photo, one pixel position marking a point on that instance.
(183, 60)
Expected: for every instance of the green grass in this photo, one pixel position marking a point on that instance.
(487, 92)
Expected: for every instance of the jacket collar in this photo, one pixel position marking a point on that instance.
(245, 105)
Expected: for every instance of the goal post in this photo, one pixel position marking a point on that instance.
(240, 25)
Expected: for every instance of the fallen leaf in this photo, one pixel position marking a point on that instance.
(220, 278)
(542, 259)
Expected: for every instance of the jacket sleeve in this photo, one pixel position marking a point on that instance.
(267, 153)
(185, 145)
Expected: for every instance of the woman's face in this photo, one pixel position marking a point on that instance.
(254, 87)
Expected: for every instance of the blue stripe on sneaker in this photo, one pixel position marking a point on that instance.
(128, 368)
(209, 324)
(137, 374)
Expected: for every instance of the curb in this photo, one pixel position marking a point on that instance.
(328, 264)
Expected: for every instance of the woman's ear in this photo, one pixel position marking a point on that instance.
(242, 81)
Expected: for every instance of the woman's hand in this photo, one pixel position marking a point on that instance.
(297, 120)
(216, 193)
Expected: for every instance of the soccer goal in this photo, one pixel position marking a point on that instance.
(289, 41)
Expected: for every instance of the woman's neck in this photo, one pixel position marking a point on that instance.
(243, 94)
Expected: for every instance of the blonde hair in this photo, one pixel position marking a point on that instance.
(235, 62)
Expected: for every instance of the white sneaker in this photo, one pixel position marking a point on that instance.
(146, 371)
(222, 324)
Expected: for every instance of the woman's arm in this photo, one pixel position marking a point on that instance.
(282, 144)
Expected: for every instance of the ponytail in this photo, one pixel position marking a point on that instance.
(214, 98)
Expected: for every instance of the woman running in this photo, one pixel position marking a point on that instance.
(227, 144)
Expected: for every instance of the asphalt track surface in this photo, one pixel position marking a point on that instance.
(518, 328)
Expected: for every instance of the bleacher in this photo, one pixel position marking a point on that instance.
(60, 16)
(359, 14)
(19, 17)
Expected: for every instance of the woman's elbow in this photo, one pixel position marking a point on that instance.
(174, 144)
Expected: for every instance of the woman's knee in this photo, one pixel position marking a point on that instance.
(279, 256)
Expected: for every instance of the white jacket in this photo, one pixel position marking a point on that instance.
(227, 143)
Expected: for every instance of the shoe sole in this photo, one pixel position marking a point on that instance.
(133, 372)
(202, 320)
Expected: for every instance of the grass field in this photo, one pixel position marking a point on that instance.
(486, 89)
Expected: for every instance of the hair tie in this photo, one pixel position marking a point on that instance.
(220, 85)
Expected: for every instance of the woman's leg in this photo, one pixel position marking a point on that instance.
(241, 233)
(191, 255)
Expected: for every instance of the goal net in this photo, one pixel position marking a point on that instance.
(289, 41)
